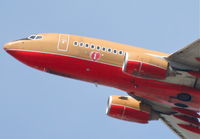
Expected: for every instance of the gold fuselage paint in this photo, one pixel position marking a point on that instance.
(65, 44)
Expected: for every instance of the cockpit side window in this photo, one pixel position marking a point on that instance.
(38, 37)
(34, 37)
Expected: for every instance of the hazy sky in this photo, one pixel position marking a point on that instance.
(37, 105)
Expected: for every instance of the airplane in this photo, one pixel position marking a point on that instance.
(158, 85)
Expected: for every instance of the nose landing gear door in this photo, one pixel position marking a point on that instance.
(63, 42)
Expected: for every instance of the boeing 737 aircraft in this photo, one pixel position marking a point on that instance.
(159, 85)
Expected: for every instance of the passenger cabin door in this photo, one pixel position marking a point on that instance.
(63, 42)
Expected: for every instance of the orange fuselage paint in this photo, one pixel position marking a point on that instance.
(140, 72)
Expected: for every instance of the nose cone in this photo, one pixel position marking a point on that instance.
(28, 57)
(10, 46)
(15, 50)
(7, 46)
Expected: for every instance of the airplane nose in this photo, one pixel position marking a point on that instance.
(14, 45)
(8, 46)
(14, 49)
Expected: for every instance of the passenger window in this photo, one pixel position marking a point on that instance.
(121, 52)
(81, 44)
(86, 45)
(109, 50)
(115, 51)
(103, 49)
(75, 43)
(98, 47)
(92, 46)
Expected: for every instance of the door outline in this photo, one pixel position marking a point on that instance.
(63, 41)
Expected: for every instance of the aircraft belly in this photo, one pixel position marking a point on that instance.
(109, 75)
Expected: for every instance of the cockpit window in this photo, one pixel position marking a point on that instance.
(34, 37)
(38, 37)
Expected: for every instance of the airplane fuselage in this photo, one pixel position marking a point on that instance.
(106, 63)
